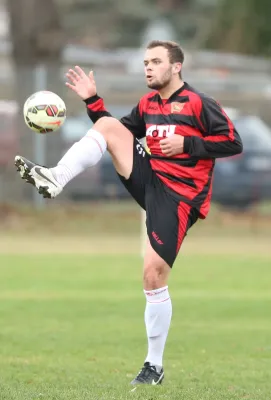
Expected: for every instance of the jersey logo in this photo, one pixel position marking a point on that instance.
(161, 131)
(176, 107)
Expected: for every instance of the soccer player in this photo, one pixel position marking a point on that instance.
(185, 132)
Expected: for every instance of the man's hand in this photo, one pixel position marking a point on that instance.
(82, 84)
(172, 145)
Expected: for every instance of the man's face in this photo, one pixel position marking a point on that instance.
(158, 69)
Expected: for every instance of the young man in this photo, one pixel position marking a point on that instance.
(185, 131)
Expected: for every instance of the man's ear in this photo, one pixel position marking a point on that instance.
(177, 68)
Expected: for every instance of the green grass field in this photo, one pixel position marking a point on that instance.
(71, 326)
(71, 306)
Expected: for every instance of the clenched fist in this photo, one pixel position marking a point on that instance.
(172, 145)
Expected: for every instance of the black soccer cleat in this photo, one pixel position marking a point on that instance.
(148, 375)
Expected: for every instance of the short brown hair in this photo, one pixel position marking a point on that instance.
(175, 51)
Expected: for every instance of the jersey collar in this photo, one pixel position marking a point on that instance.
(174, 95)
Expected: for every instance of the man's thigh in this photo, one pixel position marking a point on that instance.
(120, 143)
(141, 175)
(129, 157)
(168, 221)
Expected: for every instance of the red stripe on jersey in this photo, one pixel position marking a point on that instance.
(183, 216)
(230, 125)
(186, 130)
(197, 103)
(200, 173)
(217, 139)
(181, 188)
(205, 207)
(97, 106)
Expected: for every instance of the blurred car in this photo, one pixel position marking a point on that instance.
(239, 181)
(245, 179)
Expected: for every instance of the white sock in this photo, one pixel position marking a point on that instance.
(158, 314)
(82, 155)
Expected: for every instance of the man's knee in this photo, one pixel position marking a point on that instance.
(155, 275)
(112, 130)
(107, 125)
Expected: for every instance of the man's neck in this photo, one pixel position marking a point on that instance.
(170, 89)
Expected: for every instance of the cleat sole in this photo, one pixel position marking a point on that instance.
(44, 191)
(24, 171)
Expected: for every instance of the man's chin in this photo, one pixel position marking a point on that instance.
(154, 85)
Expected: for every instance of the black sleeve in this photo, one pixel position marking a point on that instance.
(134, 121)
(220, 136)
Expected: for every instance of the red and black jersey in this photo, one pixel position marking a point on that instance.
(208, 134)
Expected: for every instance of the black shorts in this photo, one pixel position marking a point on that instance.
(167, 217)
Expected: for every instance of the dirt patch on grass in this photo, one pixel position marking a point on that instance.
(55, 244)
(115, 228)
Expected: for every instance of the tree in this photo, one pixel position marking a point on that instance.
(242, 26)
(35, 31)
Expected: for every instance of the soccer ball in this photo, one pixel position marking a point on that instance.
(44, 112)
